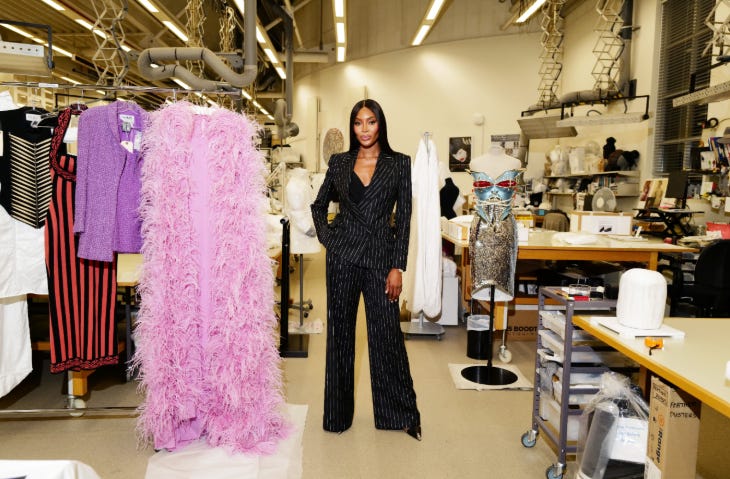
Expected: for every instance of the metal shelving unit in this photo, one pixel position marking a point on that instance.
(578, 356)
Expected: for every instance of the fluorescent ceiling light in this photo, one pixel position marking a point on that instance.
(256, 104)
(339, 8)
(54, 5)
(340, 54)
(422, 32)
(340, 26)
(271, 55)
(531, 9)
(173, 28)
(270, 117)
(126, 48)
(245, 94)
(211, 102)
(260, 36)
(281, 72)
(263, 110)
(182, 84)
(149, 6)
(17, 30)
(70, 80)
(61, 51)
(84, 23)
(239, 5)
(434, 10)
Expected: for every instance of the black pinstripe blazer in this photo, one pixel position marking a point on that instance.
(363, 233)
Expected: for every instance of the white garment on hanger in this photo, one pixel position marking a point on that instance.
(299, 197)
(22, 271)
(425, 247)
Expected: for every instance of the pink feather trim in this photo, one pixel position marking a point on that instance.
(216, 377)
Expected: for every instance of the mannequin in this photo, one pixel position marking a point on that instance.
(493, 235)
(299, 195)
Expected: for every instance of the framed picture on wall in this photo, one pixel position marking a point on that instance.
(459, 153)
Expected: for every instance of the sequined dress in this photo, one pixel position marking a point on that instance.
(493, 236)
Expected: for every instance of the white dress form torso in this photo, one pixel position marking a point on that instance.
(495, 162)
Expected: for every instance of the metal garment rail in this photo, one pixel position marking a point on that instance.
(223, 90)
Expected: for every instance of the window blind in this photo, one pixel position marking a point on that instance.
(683, 37)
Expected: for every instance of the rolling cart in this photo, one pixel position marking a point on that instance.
(558, 343)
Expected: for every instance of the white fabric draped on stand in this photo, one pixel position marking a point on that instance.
(424, 264)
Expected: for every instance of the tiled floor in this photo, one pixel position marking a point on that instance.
(466, 433)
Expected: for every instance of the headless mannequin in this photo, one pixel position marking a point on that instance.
(495, 162)
(299, 195)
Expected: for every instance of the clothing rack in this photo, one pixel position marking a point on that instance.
(290, 345)
(120, 88)
(423, 327)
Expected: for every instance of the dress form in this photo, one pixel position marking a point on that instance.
(495, 162)
(299, 195)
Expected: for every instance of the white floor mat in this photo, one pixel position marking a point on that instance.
(309, 326)
(199, 460)
(460, 382)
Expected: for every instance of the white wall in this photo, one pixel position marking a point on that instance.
(436, 88)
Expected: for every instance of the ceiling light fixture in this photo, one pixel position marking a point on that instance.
(239, 5)
(269, 53)
(530, 11)
(54, 5)
(432, 13)
(149, 6)
(182, 84)
(339, 8)
(17, 30)
(174, 29)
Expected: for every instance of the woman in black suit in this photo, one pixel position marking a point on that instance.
(366, 254)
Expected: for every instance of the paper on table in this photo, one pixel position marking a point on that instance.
(613, 324)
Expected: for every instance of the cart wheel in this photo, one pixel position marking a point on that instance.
(75, 404)
(306, 315)
(504, 354)
(529, 439)
(552, 472)
(440, 337)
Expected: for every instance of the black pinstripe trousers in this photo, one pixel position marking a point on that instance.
(394, 399)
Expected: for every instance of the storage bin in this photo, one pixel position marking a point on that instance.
(550, 411)
(477, 336)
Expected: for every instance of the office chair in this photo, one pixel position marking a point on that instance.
(709, 293)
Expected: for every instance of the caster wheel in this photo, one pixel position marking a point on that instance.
(552, 472)
(75, 404)
(440, 337)
(306, 315)
(529, 439)
(505, 355)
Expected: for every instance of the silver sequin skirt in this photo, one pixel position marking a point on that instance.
(493, 256)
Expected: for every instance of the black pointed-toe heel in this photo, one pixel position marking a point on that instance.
(414, 431)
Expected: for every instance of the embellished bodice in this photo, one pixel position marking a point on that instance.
(494, 196)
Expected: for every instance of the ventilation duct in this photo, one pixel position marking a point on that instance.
(158, 56)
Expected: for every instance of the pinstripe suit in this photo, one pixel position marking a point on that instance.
(362, 248)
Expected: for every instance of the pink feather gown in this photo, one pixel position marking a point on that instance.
(205, 336)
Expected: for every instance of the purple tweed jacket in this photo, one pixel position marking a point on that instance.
(108, 172)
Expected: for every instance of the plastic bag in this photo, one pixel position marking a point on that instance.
(613, 427)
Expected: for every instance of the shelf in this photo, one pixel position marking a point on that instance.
(628, 173)
(706, 95)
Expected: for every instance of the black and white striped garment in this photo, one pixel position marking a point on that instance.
(25, 180)
(31, 180)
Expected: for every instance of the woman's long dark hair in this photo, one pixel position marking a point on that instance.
(373, 106)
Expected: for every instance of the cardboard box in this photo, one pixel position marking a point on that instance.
(674, 428)
(600, 222)
(521, 323)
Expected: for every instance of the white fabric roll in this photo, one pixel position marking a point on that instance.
(642, 297)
